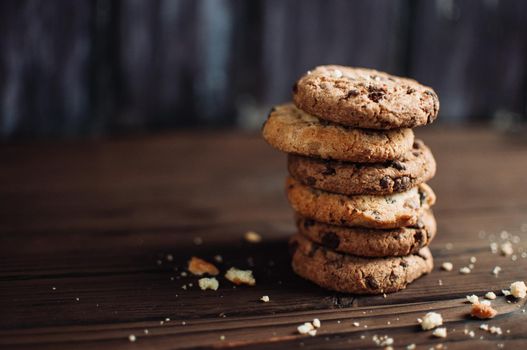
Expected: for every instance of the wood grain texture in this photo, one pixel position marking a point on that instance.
(91, 219)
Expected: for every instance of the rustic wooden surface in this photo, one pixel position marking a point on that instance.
(83, 225)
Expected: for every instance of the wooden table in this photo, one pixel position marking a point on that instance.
(86, 226)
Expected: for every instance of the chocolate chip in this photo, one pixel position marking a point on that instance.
(429, 119)
(417, 145)
(435, 107)
(375, 94)
(330, 240)
(398, 165)
(410, 91)
(311, 181)
(418, 237)
(422, 197)
(385, 181)
(293, 246)
(404, 263)
(295, 88)
(351, 93)
(389, 200)
(402, 183)
(308, 223)
(328, 171)
(371, 282)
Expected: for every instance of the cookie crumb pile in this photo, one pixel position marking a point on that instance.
(357, 178)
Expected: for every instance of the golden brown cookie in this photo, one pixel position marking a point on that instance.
(294, 131)
(389, 211)
(369, 242)
(351, 274)
(365, 98)
(415, 167)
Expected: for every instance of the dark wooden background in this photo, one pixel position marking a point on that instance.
(93, 67)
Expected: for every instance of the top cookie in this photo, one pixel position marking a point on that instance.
(365, 98)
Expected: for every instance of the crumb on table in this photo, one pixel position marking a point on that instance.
(238, 276)
(198, 267)
(482, 311)
(208, 283)
(431, 320)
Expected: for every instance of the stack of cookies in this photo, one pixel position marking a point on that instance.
(358, 178)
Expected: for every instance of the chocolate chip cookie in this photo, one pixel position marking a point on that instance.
(294, 131)
(415, 167)
(367, 242)
(389, 211)
(365, 98)
(352, 274)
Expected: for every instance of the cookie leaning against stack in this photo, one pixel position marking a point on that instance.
(358, 178)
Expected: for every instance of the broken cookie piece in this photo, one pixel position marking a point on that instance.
(200, 267)
(518, 289)
(208, 283)
(482, 311)
(238, 277)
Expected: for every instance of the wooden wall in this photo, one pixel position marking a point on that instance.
(89, 68)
